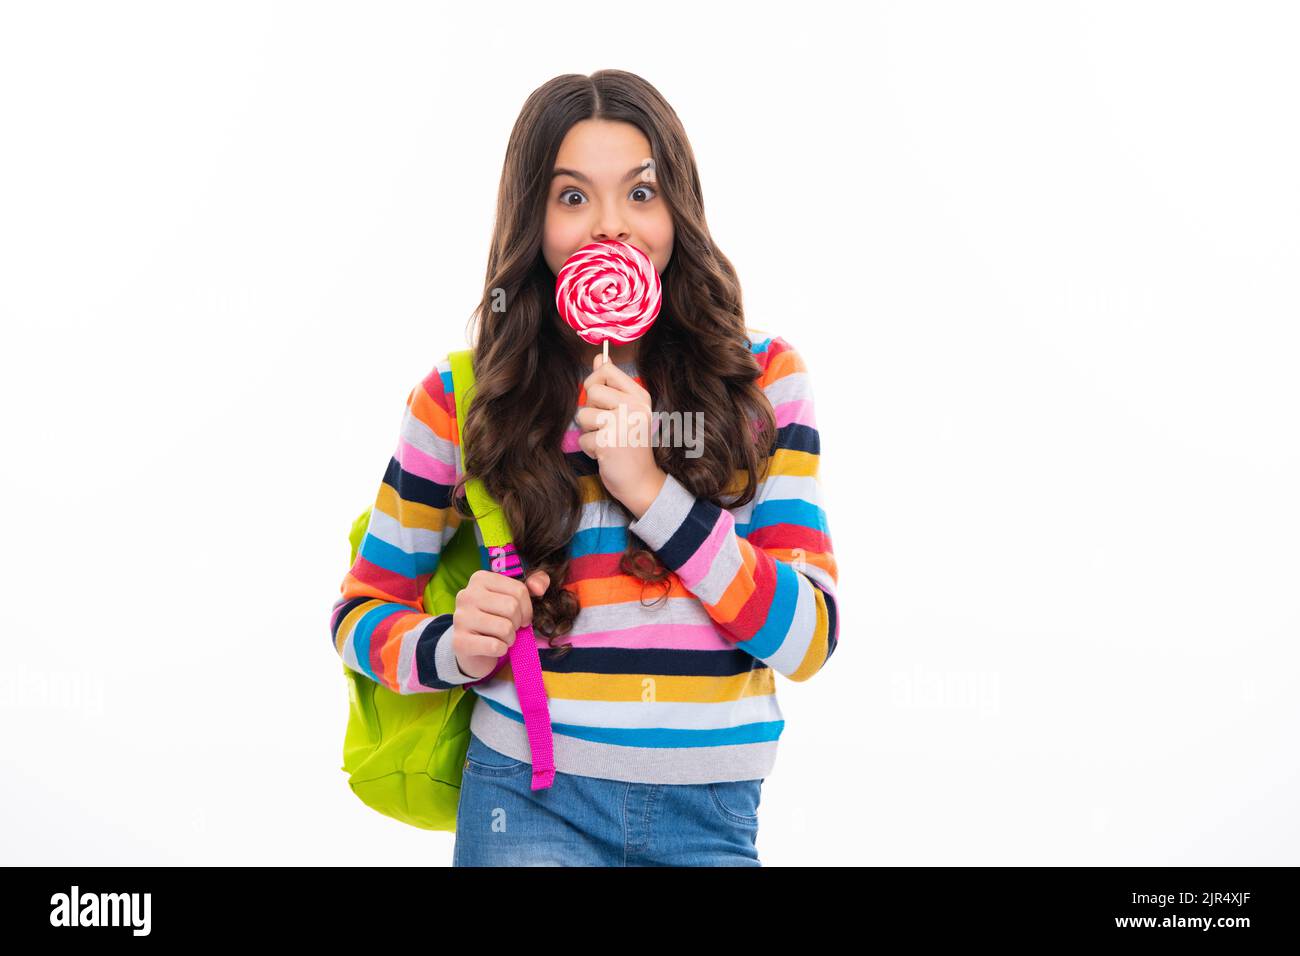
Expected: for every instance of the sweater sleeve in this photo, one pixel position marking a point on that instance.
(768, 582)
(378, 625)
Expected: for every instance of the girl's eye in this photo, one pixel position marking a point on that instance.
(642, 188)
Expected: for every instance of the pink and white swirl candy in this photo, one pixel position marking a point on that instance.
(608, 291)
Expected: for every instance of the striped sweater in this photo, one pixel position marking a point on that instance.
(675, 691)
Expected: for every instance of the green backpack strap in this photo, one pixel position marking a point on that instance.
(491, 519)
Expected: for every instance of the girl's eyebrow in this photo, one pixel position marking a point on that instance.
(634, 171)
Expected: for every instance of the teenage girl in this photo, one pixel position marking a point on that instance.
(667, 581)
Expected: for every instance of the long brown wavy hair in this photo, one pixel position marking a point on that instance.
(528, 365)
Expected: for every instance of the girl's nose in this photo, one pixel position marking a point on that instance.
(610, 226)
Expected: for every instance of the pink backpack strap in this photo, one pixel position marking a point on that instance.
(526, 665)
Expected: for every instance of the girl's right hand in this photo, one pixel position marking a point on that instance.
(490, 608)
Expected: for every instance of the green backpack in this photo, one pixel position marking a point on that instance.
(404, 753)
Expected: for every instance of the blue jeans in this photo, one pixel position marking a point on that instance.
(591, 821)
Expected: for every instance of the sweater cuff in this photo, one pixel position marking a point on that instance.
(682, 530)
(444, 659)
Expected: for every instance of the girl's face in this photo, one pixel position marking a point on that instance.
(602, 188)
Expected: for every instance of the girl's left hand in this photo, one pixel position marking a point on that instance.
(617, 425)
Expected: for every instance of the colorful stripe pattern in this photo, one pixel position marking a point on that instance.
(767, 577)
(661, 683)
(379, 626)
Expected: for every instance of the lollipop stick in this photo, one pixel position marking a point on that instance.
(606, 361)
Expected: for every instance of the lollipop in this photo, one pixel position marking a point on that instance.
(608, 290)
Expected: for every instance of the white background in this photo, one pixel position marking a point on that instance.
(1040, 260)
